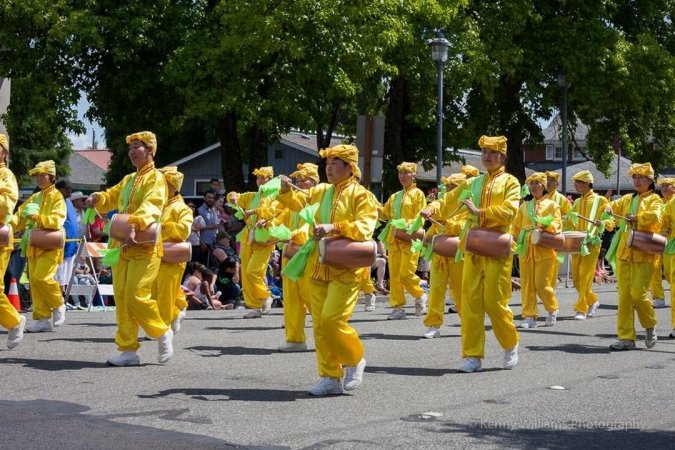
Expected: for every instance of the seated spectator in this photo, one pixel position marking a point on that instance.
(222, 249)
(227, 281)
(83, 276)
(274, 282)
(206, 292)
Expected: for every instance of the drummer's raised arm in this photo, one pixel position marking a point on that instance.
(107, 200)
(296, 200)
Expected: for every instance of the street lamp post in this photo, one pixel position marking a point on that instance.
(439, 54)
(562, 82)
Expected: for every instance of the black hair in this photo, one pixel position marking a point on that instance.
(62, 184)
(228, 263)
(652, 187)
(214, 179)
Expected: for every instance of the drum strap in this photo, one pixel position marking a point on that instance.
(623, 226)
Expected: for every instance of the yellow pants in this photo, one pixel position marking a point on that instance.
(367, 285)
(633, 280)
(166, 289)
(296, 296)
(538, 279)
(444, 272)
(583, 274)
(669, 266)
(486, 288)
(133, 276)
(337, 344)
(656, 283)
(254, 261)
(402, 267)
(45, 291)
(9, 316)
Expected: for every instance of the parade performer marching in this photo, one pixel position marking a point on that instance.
(537, 269)
(585, 216)
(552, 183)
(444, 269)
(405, 204)
(10, 319)
(261, 212)
(142, 195)
(176, 224)
(668, 229)
(492, 199)
(634, 268)
(44, 210)
(340, 209)
(296, 293)
(656, 286)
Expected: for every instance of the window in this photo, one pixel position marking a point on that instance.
(549, 152)
(577, 155)
(558, 154)
(202, 186)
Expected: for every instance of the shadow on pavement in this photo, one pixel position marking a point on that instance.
(571, 348)
(243, 328)
(222, 395)
(54, 364)
(389, 337)
(110, 340)
(213, 352)
(421, 371)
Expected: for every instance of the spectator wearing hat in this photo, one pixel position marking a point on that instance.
(222, 249)
(65, 269)
(46, 210)
(142, 195)
(10, 319)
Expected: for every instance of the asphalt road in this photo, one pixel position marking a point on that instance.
(227, 386)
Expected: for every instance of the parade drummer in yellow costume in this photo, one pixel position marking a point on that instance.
(634, 268)
(591, 206)
(176, 224)
(344, 210)
(668, 229)
(45, 209)
(552, 183)
(296, 293)
(656, 286)
(142, 195)
(260, 213)
(537, 271)
(444, 270)
(486, 282)
(10, 319)
(405, 204)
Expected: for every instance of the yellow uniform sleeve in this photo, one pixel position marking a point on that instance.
(9, 194)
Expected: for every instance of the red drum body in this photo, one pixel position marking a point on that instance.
(6, 235)
(47, 239)
(445, 245)
(548, 240)
(573, 241)
(177, 252)
(486, 242)
(344, 253)
(119, 229)
(291, 249)
(646, 241)
(403, 236)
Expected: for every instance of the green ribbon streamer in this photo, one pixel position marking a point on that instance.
(280, 232)
(415, 225)
(261, 235)
(560, 257)
(416, 246)
(307, 213)
(89, 216)
(272, 187)
(399, 224)
(241, 235)
(25, 238)
(623, 226)
(670, 247)
(545, 221)
(384, 234)
(442, 189)
(574, 218)
(425, 251)
(295, 267)
(30, 209)
(524, 191)
(106, 228)
(111, 256)
(238, 211)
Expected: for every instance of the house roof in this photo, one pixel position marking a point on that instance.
(554, 129)
(600, 181)
(84, 172)
(99, 157)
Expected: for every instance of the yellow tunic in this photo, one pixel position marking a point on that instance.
(134, 274)
(9, 194)
(560, 200)
(42, 264)
(668, 226)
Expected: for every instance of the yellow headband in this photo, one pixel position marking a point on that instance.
(347, 153)
(146, 137)
(407, 167)
(47, 167)
(645, 170)
(666, 182)
(470, 171)
(537, 177)
(494, 143)
(553, 175)
(456, 179)
(584, 176)
(4, 141)
(306, 170)
(173, 176)
(265, 172)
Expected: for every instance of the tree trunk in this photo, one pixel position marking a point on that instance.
(258, 152)
(230, 164)
(397, 108)
(512, 125)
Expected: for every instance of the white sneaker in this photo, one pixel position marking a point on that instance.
(396, 314)
(421, 305)
(528, 322)
(178, 321)
(253, 314)
(267, 306)
(370, 302)
(470, 365)
(59, 315)
(165, 346)
(579, 316)
(327, 386)
(39, 326)
(593, 309)
(354, 375)
(552, 318)
(15, 335)
(125, 359)
(660, 303)
(650, 337)
(621, 345)
(289, 347)
(432, 332)
(511, 358)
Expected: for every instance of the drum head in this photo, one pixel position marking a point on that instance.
(536, 237)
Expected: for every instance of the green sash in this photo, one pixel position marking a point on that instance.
(398, 201)
(623, 226)
(29, 210)
(521, 247)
